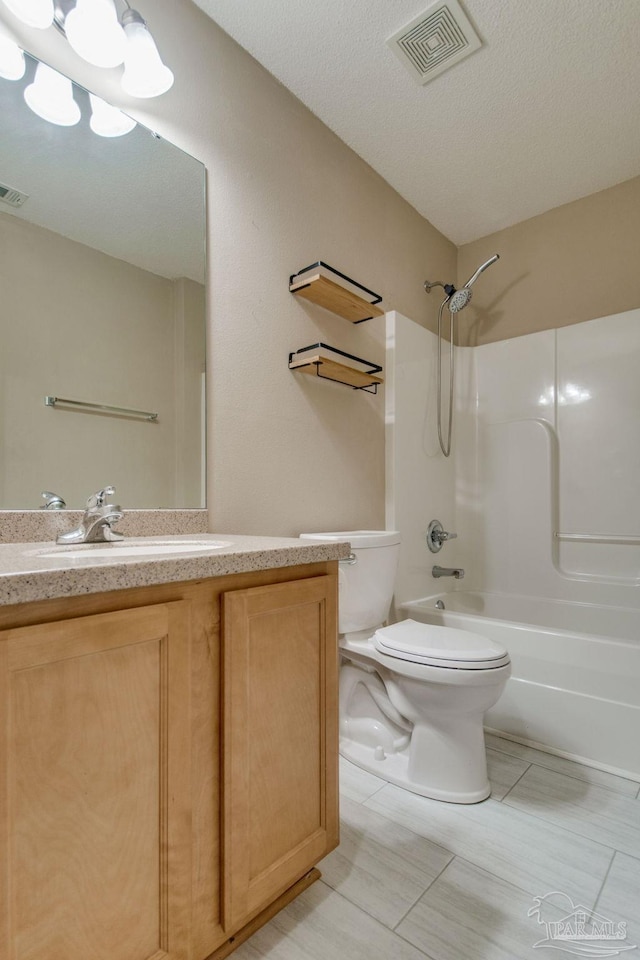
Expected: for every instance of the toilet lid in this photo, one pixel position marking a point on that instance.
(439, 646)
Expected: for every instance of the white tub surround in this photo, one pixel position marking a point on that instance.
(574, 682)
(550, 474)
(541, 487)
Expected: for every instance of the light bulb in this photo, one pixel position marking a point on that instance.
(50, 96)
(108, 121)
(93, 31)
(145, 75)
(12, 65)
(35, 13)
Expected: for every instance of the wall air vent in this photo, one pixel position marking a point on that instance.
(12, 196)
(434, 41)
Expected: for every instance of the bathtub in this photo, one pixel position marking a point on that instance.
(575, 685)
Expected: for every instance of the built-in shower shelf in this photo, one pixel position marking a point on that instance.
(335, 291)
(328, 363)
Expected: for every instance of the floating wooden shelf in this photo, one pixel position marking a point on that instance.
(327, 287)
(328, 363)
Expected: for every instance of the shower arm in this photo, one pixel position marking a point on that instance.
(448, 288)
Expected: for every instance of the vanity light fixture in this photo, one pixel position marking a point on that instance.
(50, 96)
(93, 30)
(35, 13)
(145, 75)
(108, 121)
(98, 35)
(12, 63)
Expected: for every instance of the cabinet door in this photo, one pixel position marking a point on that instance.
(280, 740)
(94, 803)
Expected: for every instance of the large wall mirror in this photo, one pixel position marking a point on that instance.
(102, 302)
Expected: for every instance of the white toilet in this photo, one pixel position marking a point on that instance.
(412, 695)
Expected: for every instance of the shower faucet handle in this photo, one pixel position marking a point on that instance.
(437, 535)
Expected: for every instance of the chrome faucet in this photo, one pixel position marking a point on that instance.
(96, 524)
(456, 572)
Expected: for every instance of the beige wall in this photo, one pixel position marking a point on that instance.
(576, 262)
(287, 453)
(77, 323)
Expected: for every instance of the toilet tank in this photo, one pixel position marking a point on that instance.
(366, 585)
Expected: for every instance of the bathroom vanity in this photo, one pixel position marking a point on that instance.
(169, 746)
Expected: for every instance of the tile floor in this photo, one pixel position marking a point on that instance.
(414, 878)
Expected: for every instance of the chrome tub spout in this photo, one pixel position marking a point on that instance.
(456, 572)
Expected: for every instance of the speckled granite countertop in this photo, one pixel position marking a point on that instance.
(26, 575)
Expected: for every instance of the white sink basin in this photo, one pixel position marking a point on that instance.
(124, 548)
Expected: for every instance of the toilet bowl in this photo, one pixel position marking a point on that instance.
(412, 695)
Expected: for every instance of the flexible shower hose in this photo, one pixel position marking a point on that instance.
(446, 448)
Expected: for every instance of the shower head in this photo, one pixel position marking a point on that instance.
(459, 300)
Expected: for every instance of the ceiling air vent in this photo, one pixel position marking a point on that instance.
(434, 41)
(12, 196)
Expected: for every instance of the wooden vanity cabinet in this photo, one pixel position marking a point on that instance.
(168, 764)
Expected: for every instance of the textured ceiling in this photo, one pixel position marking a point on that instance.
(547, 111)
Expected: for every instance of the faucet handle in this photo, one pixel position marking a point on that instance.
(52, 501)
(98, 499)
(437, 535)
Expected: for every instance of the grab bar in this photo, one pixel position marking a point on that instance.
(101, 408)
(597, 538)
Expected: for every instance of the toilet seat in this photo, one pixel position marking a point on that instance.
(439, 646)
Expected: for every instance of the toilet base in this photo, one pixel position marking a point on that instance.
(394, 768)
